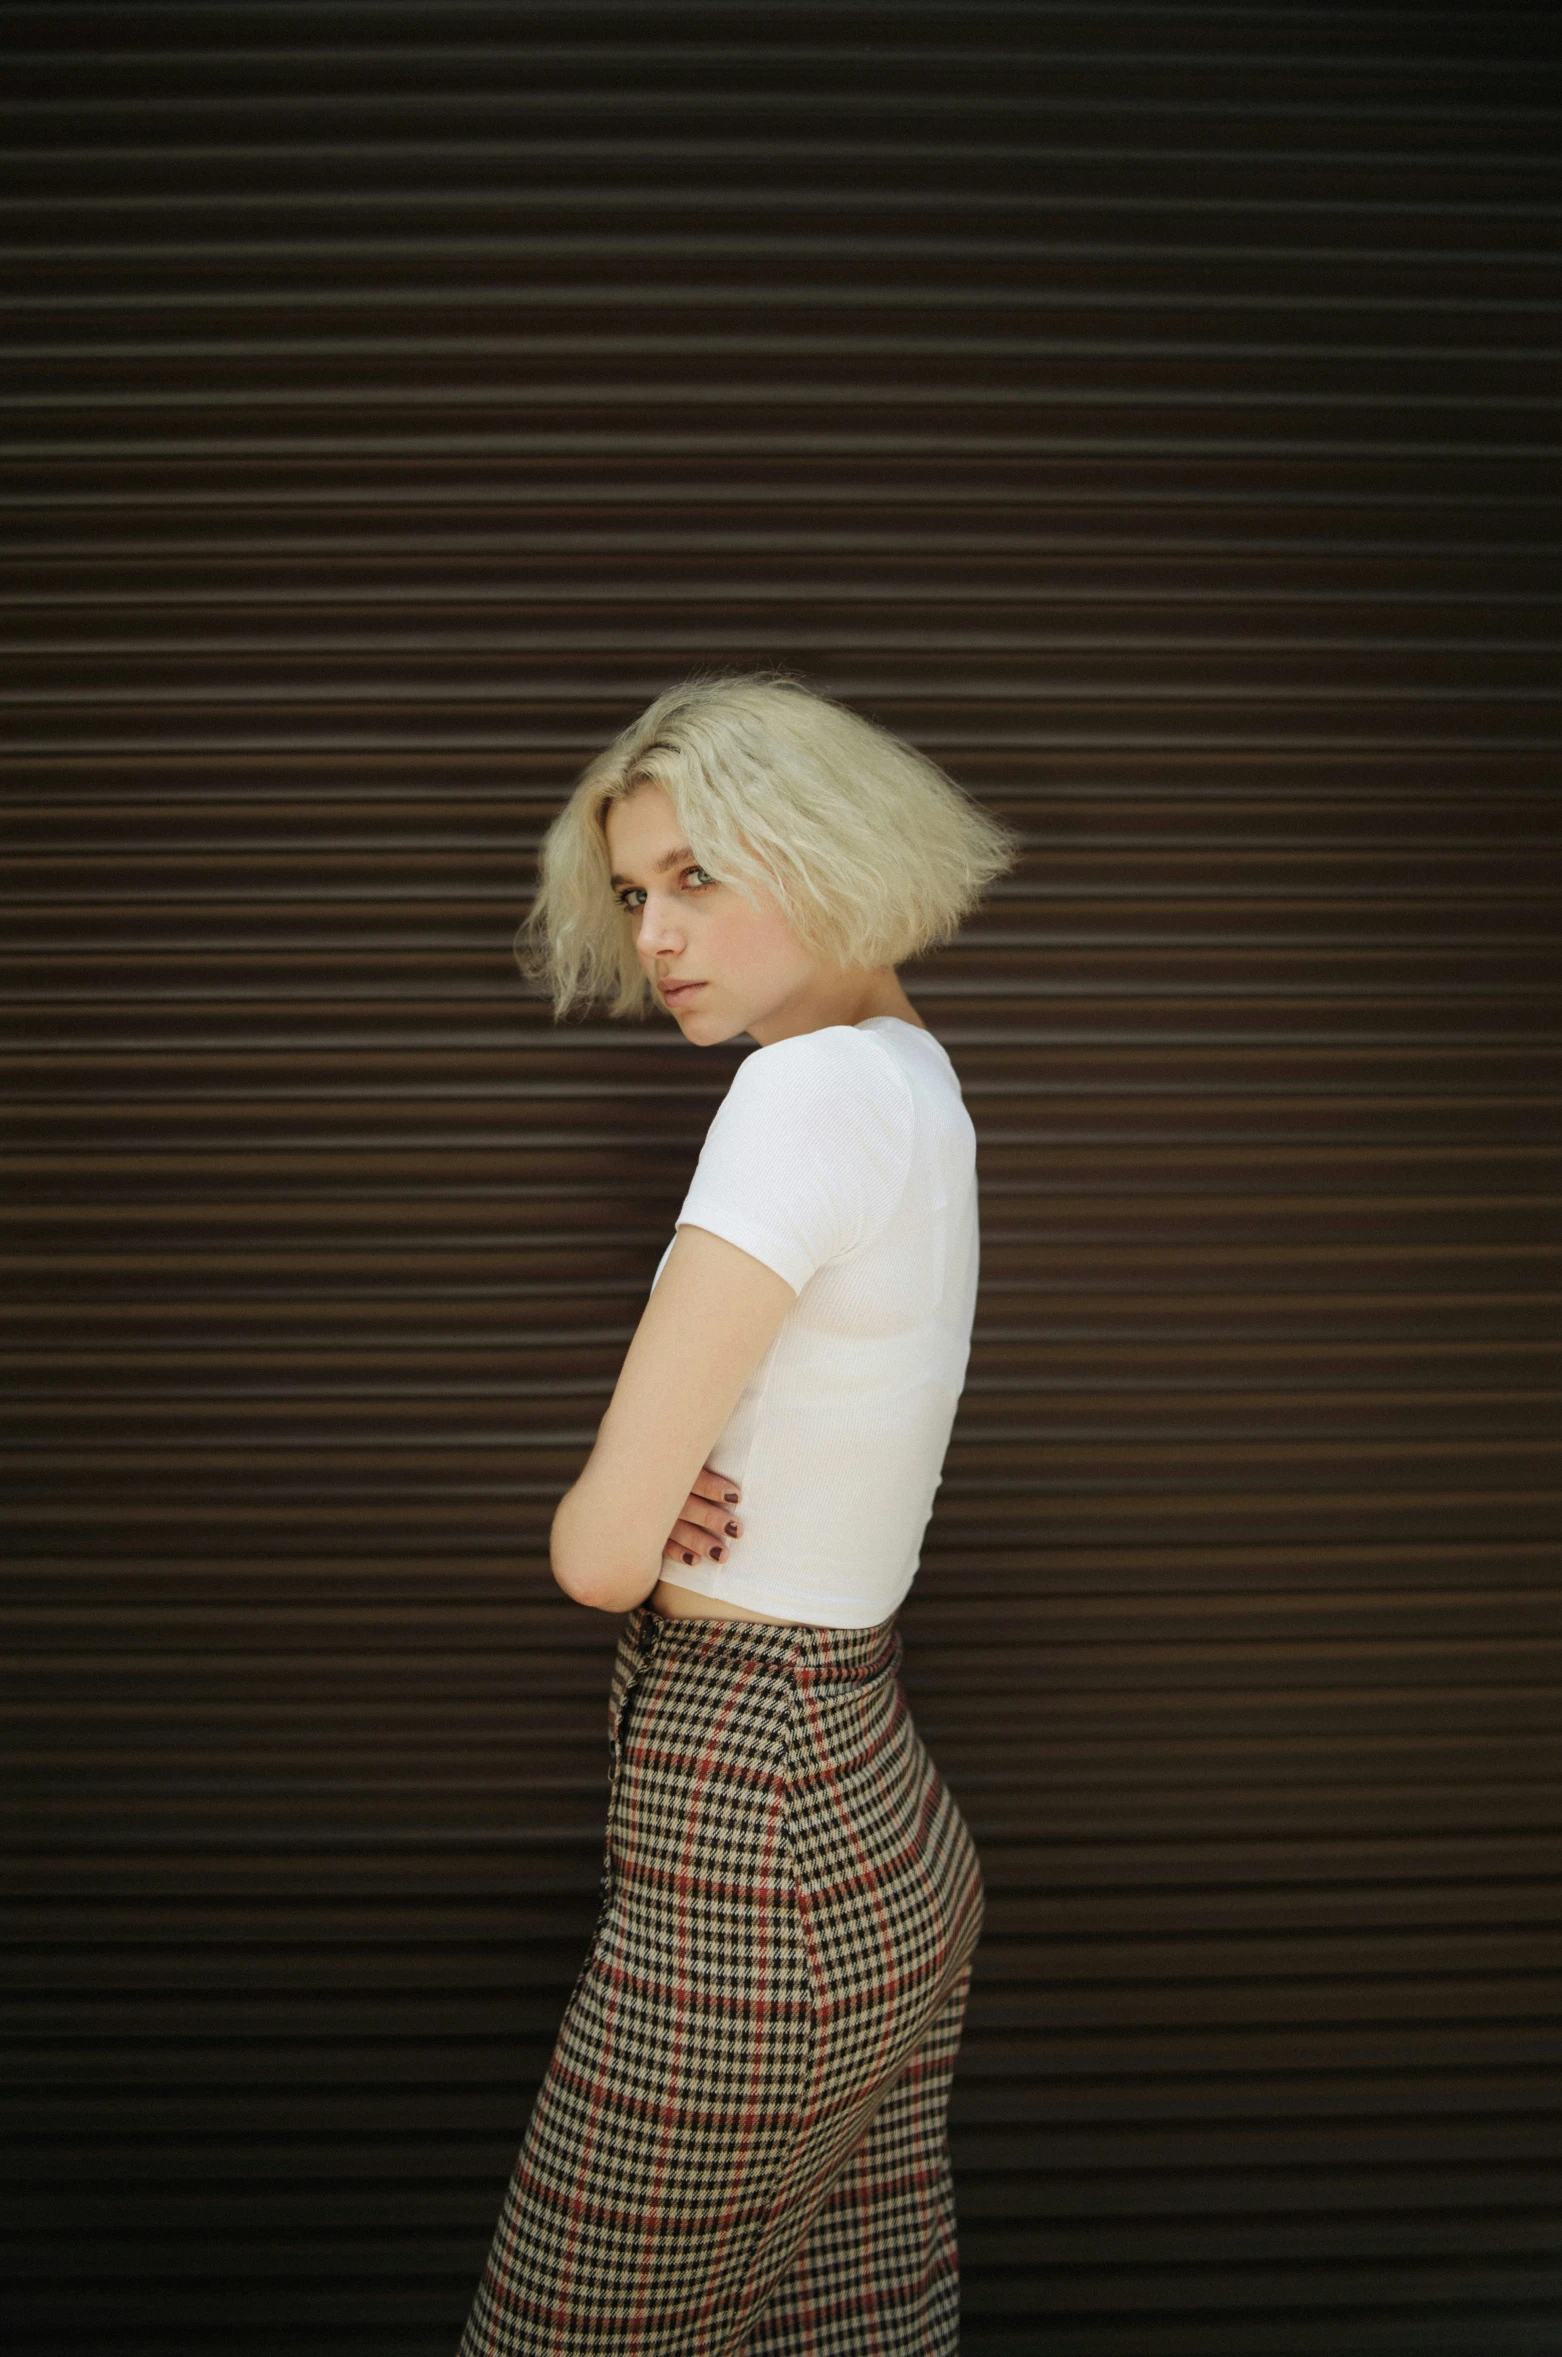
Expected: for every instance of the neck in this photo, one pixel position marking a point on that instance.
(854, 998)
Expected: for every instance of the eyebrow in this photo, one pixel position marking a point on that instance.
(669, 859)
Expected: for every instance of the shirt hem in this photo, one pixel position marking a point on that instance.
(835, 1612)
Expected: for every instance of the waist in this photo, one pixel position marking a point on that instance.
(675, 1603)
(801, 1648)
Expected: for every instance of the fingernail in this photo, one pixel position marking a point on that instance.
(732, 1530)
(715, 1554)
(688, 1558)
(731, 1496)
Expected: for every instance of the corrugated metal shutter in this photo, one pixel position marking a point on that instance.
(1152, 414)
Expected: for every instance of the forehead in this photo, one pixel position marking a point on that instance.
(641, 826)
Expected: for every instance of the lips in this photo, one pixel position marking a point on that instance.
(674, 991)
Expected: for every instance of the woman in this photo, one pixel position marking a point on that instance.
(741, 2141)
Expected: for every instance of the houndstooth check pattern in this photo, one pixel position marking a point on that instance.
(741, 2141)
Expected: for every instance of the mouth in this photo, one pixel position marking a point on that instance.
(674, 993)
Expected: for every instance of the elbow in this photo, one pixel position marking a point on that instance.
(603, 1592)
(588, 1576)
(599, 1590)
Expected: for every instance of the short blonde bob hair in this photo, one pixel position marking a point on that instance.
(871, 853)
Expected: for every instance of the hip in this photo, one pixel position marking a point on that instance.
(770, 1790)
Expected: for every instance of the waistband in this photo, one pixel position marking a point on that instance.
(817, 1655)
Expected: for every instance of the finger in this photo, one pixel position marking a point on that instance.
(688, 1542)
(715, 1491)
(694, 1537)
(721, 1522)
(717, 1487)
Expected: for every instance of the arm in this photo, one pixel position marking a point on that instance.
(712, 1315)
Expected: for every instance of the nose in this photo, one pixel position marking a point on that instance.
(658, 934)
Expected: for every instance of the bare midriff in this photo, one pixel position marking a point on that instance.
(687, 1604)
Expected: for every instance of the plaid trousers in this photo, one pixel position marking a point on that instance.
(741, 2141)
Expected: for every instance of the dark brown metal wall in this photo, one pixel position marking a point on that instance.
(1151, 413)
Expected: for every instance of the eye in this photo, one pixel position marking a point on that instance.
(625, 902)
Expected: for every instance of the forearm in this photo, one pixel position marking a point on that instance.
(587, 1563)
(711, 1316)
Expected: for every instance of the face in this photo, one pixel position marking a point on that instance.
(689, 926)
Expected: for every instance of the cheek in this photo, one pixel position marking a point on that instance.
(725, 936)
(751, 944)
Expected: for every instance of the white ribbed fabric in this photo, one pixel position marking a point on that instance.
(845, 1160)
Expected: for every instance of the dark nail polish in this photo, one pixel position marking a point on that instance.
(731, 1496)
(715, 1554)
(688, 1558)
(732, 1530)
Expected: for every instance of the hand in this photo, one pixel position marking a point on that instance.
(707, 1526)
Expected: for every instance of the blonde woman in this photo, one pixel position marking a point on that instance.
(741, 2142)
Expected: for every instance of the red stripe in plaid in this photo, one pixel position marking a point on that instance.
(741, 2139)
(878, 2269)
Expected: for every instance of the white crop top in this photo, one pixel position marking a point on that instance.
(845, 1160)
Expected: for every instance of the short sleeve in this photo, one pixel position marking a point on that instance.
(809, 1153)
